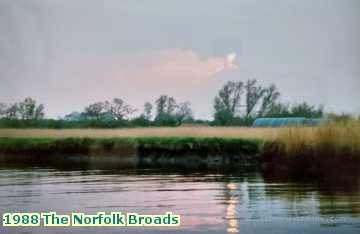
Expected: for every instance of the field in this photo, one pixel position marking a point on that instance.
(221, 132)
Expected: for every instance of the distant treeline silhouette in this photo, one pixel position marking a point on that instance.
(237, 103)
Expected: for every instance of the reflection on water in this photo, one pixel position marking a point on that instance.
(208, 201)
(231, 214)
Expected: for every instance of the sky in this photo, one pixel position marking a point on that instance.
(68, 54)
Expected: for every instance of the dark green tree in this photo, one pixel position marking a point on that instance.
(254, 93)
(148, 110)
(118, 109)
(165, 111)
(227, 102)
(29, 110)
(3, 109)
(95, 111)
(184, 113)
(269, 99)
(306, 110)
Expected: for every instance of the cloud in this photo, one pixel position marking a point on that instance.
(231, 60)
(136, 77)
(174, 66)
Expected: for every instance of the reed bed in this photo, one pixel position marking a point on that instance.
(337, 138)
(334, 137)
(328, 149)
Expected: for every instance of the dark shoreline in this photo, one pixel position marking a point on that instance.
(180, 152)
(185, 152)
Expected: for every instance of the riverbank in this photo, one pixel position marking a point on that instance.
(328, 150)
(319, 151)
(162, 151)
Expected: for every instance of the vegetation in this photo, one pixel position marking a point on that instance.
(332, 148)
(296, 110)
(61, 123)
(236, 104)
(259, 101)
(140, 145)
(201, 132)
(24, 110)
(321, 151)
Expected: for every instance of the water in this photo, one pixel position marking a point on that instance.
(208, 201)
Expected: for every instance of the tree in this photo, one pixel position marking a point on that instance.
(95, 110)
(270, 96)
(184, 113)
(254, 93)
(165, 105)
(165, 111)
(147, 110)
(73, 116)
(171, 106)
(12, 112)
(28, 109)
(258, 102)
(118, 109)
(227, 102)
(297, 110)
(39, 112)
(279, 110)
(306, 110)
(3, 109)
(161, 105)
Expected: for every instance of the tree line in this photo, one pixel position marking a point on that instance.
(167, 112)
(237, 103)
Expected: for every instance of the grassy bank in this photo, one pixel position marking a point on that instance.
(139, 145)
(329, 149)
(298, 151)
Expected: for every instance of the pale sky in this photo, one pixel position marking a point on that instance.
(68, 54)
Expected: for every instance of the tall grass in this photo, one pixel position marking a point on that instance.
(331, 148)
(335, 138)
(328, 149)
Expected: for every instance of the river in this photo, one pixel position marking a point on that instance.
(209, 201)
